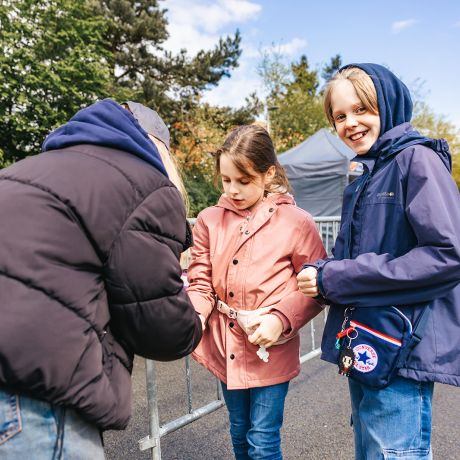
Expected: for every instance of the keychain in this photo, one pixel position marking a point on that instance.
(343, 332)
(346, 356)
(346, 361)
(262, 353)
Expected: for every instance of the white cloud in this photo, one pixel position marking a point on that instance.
(398, 26)
(232, 92)
(291, 48)
(198, 24)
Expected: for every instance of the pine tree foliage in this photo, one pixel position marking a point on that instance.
(144, 71)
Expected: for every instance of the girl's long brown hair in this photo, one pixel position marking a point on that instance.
(250, 147)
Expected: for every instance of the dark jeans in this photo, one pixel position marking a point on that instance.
(256, 416)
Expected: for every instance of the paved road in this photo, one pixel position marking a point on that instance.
(316, 423)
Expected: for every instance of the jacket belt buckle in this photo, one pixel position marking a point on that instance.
(232, 314)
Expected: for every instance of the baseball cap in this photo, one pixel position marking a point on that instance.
(150, 121)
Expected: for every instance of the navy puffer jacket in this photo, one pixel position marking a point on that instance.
(90, 242)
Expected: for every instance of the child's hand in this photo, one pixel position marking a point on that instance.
(268, 332)
(306, 281)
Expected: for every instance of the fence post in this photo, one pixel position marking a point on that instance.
(153, 440)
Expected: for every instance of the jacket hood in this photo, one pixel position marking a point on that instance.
(395, 103)
(402, 136)
(271, 199)
(107, 124)
(395, 110)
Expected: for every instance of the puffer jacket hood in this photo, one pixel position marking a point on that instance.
(107, 124)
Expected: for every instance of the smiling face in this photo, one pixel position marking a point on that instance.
(355, 124)
(244, 190)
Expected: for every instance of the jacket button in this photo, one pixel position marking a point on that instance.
(235, 261)
(232, 356)
(231, 324)
(231, 294)
(246, 232)
(271, 209)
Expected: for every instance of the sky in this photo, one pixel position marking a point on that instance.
(419, 40)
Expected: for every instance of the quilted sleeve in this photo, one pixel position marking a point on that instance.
(151, 313)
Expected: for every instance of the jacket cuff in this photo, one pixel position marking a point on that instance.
(284, 320)
(319, 265)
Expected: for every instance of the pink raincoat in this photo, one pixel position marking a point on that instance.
(250, 260)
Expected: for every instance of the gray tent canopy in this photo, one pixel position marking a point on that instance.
(317, 169)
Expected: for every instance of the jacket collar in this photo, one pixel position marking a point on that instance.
(254, 220)
(272, 199)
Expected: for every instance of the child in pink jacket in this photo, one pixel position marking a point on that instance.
(246, 254)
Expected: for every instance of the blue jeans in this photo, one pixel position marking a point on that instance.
(256, 416)
(393, 422)
(30, 428)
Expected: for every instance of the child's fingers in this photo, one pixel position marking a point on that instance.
(254, 322)
(254, 337)
(309, 291)
(268, 332)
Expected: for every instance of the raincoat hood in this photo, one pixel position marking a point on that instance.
(270, 199)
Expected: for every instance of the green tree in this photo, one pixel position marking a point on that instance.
(144, 71)
(297, 99)
(273, 71)
(195, 140)
(52, 63)
(330, 69)
(57, 56)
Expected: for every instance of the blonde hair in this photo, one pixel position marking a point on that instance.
(250, 147)
(172, 169)
(363, 85)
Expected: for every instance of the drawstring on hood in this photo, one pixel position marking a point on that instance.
(395, 111)
(107, 124)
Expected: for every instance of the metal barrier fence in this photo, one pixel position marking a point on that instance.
(328, 228)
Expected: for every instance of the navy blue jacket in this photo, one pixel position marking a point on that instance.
(399, 245)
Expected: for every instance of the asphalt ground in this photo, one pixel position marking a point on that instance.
(316, 424)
